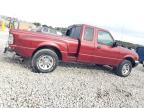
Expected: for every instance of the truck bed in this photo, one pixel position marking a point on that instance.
(34, 40)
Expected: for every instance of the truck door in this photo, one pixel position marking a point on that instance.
(86, 50)
(104, 51)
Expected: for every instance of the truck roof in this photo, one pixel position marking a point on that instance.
(87, 25)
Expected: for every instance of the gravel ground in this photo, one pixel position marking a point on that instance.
(69, 86)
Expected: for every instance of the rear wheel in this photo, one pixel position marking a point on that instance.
(44, 61)
(124, 69)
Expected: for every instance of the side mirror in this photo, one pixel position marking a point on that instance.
(115, 44)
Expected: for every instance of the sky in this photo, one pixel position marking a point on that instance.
(123, 18)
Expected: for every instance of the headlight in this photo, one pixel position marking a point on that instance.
(10, 39)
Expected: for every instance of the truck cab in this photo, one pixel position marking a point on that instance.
(96, 45)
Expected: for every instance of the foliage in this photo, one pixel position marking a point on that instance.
(61, 29)
(128, 44)
(37, 24)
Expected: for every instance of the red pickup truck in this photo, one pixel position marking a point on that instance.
(82, 43)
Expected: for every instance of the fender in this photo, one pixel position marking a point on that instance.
(128, 56)
(62, 47)
(131, 59)
(59, 45)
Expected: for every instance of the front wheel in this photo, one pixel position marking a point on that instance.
(44, 61)
(124, 69)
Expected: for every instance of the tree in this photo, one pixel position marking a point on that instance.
(37, 24)
(44, 25)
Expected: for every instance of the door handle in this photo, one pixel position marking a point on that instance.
(98, 47)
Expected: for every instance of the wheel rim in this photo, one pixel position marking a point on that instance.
(45, 62)
(126, 69)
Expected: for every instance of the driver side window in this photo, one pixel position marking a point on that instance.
(105, 38)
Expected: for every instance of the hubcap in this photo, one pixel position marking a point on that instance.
(45, 62)
(126, 69)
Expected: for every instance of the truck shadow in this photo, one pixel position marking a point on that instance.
(105, 69)
(26, 64)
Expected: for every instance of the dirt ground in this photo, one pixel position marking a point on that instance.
(71, 85)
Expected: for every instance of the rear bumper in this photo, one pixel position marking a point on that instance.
(7, 49)
(19, 50)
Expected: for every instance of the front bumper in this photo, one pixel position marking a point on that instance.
(20, 50)
(136, 63)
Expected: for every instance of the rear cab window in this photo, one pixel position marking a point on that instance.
(74, 32)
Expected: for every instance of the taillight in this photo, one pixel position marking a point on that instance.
(10, 39)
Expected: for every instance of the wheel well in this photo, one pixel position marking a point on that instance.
(56, 50)
(131, 60)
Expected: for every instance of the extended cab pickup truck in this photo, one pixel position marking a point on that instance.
(82, 43)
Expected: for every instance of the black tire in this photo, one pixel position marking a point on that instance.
(41, 53)
(119, 69)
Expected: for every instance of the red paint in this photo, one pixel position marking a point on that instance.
(25, 43)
